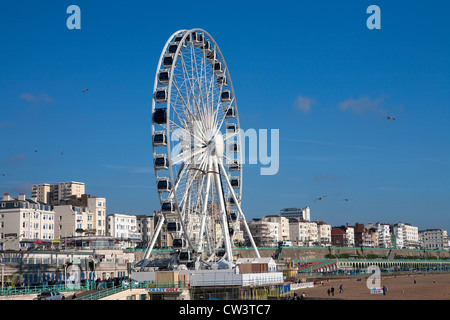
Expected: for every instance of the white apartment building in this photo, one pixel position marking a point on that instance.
(283, 226)
(304, 213)
(397, 232)
(53, 193)
(350, 233)
(123, 227)
(304, 233)
(264, 233)
(433, 239)
(410, 235)
(25, 220)
(324, 233)
(97, 205)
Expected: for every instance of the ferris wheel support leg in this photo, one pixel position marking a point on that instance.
(225, 229)
(230, 187)
(152, 243)
(203, 221)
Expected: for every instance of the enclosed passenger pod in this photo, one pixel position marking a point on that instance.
(229, 112)
(235, 182)
(168, 61)
(233, 215)
(221, 80)
(164, 76)
(178, 243)
(168, 207)
(218, 68)
(164, 185)
(160, 116)
(211, 56)
(161, 162)
(207, 47)
(235, 165)
(161, 95)
(173, 226)
(234, 147)
(231, 128)
(185, 256)
(173, 48)
(159, 139)
(225, 96)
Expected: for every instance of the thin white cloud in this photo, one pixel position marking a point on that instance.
(363, 105)
(43, 97)
(303, 104)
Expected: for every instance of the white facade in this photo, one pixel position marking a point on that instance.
(324, 234)
(283, 226)
(123, 227)
(303, 233)
(98, 207)
(26, 219)
(410, 235)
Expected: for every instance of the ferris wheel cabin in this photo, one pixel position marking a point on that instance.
(168, 207)
(164, 185)
(161, 162)
(160, 116)
(159, 139)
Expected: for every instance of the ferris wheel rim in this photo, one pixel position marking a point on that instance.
(185, 33)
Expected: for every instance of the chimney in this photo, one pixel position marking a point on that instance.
(21, 196)
(6, 197)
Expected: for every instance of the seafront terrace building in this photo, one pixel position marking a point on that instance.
(24, 221)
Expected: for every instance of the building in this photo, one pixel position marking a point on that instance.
(410, 235)
(433, 239)
(397, 237)
(303, 233)
(324, 233)
(53, 193)
(73, 221)
(383, 234)
(23, 221)
(95, 208)
(283, 226)
(304, 213)
(123, 227)
(146, 228)
(264, 233)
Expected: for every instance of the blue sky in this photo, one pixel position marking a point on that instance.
(311, 69)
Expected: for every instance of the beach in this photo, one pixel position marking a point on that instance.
(401, 287)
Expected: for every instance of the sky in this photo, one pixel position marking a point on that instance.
(311, 69)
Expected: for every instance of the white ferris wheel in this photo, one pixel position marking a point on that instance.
(197, 153)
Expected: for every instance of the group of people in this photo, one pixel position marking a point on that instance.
(331, 290)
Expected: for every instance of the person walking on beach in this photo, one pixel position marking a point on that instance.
(332, 291)
(384, 290)
(328, 291)
(340, 289)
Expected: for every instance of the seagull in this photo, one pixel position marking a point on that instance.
(4, 174)
(321, 198)
(346, 200)
(390, 118)
(85, 90)
(36, 150)
(62, 153)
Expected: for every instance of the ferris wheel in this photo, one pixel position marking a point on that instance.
(197, 152)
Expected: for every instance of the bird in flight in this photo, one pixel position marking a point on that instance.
(85, 90)
(390, 118)
(346, 199)
(321, 198)
(62, 153)
(36, 150)
(4, 174)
